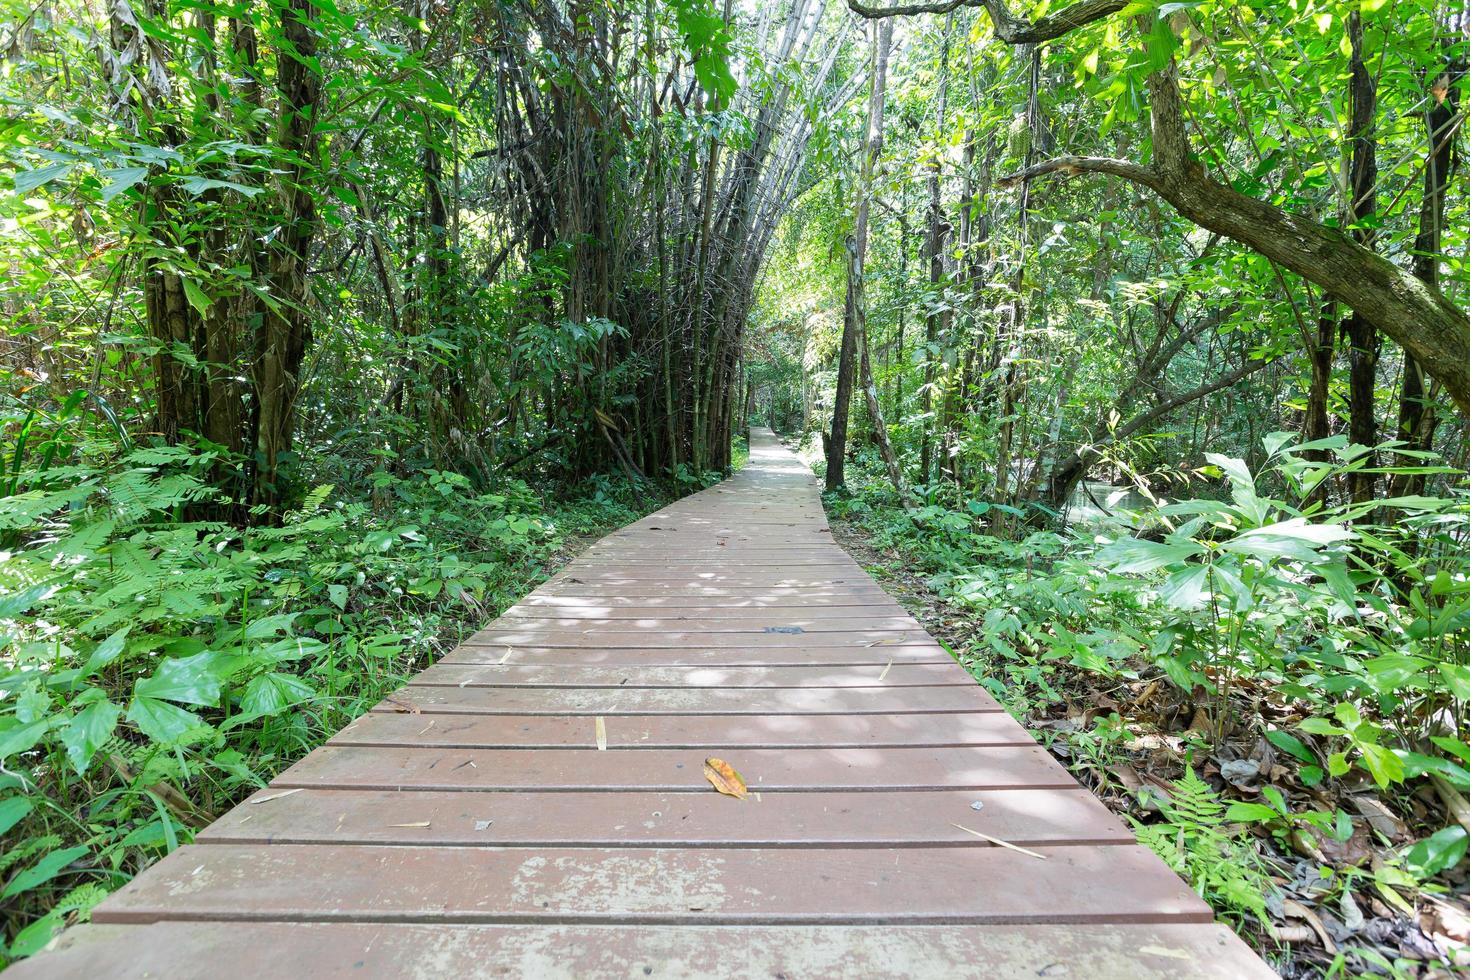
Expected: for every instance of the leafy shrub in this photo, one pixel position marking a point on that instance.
(157, 667)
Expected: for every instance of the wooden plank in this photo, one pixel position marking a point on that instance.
(554, 604)
(200, 951)
(722, 732)
(877, 654)
(325, 882)
(693, 676)
(689, 701)
(675, 770)
(760, 622)
(683, 640)
(448, 819)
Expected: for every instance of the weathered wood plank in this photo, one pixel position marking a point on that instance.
(722, 732)
(672, 770)
(328, 882)
(200, 951)
(837, 819)
(693, 676)
(759, 621)
(689, 700)
(771, 637)
(866, 654)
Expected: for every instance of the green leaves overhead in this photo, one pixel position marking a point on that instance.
(708, 41)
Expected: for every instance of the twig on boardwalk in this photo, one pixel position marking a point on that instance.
(998, 841)
(275, 796)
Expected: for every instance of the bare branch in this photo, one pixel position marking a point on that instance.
(1008, 27)
(1073, 165)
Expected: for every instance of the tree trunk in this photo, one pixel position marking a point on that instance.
(285, 329)
(1361, 335)
(1417, 416)
(934, 241)
(852, 320)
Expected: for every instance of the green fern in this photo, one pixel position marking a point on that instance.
(1223, 868)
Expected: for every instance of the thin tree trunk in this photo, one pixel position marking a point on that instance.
(852, 327)
(1362, 336)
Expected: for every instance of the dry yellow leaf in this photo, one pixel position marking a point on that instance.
(723, 777)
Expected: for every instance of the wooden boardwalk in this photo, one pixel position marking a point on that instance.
(472, 825)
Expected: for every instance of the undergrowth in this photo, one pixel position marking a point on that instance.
(1261, 682)
(157, 667)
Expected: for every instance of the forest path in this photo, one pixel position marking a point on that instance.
(470, 825)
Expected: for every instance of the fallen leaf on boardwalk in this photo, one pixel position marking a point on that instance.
(483, 824)
(723, 777)
(403, 706)
(421, 823)
(600, 727)
(275, 796)
(998, 842)
(885, 672)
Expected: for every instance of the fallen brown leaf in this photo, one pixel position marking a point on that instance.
(1380, 817)
(403, 706)
(723, 777)
(1297, 910)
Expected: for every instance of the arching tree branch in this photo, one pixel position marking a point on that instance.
(1415, 314)
(1008, 27)
(1072, 165)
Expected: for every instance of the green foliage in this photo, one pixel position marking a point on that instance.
(1194, 839)
(1352, 617)
(156, 668)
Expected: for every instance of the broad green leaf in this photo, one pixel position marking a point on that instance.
(203, 185)
(1440, 851)
(22, 738)
(1457, 679)
(163, 722)
(195, 295)
(1137, 555)
(1381, 763)
(265, 626)
(88, 730)
(1251, 813)
(192, 680)
(1319, 726)
(120, 179)
(289, 648)
(42, 871)
(12, 811)
(17, 603)
(28, 180)
(106, 652)
(1453, 746)
(272, 692)
(1235, 469)
(34, 937)
(1291, 745)
(1187, 588)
